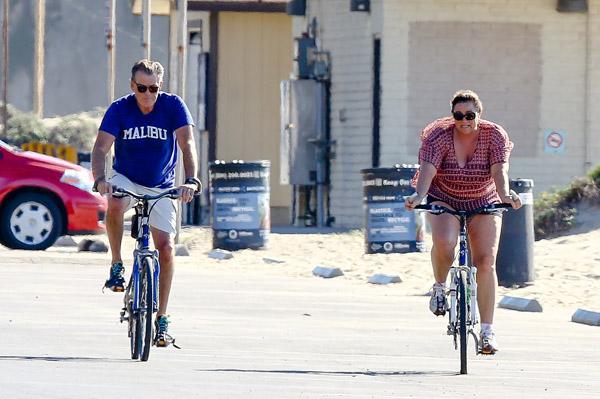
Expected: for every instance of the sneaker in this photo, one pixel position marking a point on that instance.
(489, 345)
(115, 281)
(438, 304)
(163, 339)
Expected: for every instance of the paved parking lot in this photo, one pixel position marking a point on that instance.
(264, 335)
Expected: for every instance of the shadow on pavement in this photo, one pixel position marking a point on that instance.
(64, 359)
(318, 372)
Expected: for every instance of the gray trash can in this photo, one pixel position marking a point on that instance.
(514, 263)
(240, 212)
(389, 227)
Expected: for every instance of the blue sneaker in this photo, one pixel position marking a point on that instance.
(115, 281)
(163, 339)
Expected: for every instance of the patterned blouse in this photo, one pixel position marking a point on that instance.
(472, 186)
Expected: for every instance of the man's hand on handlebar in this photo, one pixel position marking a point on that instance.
(187, 192)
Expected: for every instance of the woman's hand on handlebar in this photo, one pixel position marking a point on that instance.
(513, 199)
(413, 200)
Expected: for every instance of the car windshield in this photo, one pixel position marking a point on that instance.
(8, 146)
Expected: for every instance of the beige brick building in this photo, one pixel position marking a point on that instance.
(537, 70)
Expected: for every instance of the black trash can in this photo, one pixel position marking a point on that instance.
(514, 263)
(389, 227)
(240, 210)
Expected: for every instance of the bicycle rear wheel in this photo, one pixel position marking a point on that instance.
(462, 319)
(146, 307)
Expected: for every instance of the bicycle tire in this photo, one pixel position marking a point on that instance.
(133, 333)
(462, 319)
(146, 307)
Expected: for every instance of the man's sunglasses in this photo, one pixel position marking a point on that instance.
(469, 115)
(143, 88)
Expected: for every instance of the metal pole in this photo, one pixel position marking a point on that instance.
(146, 26)
(181, 66)
(320, 153)
(38, 79)
(5, 70)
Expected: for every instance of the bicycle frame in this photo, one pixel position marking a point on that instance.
(143, 250)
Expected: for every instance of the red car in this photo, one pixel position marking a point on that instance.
(42, 198)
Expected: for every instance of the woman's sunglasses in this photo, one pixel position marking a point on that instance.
(143, 88)
(469, 115)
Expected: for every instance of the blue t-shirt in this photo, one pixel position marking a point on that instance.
(145, 145)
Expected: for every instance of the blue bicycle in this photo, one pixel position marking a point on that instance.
(141, 294)
(463, 310)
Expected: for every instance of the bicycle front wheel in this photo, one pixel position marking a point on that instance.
(146, 307)
(462, 319)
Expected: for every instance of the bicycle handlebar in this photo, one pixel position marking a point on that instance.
(439, 209)
(172, 193)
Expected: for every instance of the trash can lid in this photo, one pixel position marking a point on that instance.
(396, 167)
(525, 183)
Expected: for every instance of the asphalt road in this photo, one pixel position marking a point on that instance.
(265, 335)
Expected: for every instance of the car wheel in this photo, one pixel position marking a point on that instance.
(30, 221)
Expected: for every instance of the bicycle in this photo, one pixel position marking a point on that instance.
(463, 311)
(141, 295)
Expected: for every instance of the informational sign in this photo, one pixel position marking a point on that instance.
(554, 142)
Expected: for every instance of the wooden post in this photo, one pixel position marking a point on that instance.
(147, 26)
(110, 47)
(38, 76)
(5, 70)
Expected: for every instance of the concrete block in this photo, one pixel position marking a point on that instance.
(520, 304)
(384, 279)
(586, 317)
(220, 254)
(65, 241)
(327, 272)
(271, 260)
(181, 250)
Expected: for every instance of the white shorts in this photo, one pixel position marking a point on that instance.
(164, 213)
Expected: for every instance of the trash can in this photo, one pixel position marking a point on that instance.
(514, 262)
(240, 210)
(389, 227)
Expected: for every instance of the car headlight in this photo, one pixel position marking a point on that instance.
(80, 179)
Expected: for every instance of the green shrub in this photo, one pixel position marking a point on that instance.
(555, 211)
(23, 127)
(77, 130)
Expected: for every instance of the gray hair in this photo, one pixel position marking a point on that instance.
(149, 68)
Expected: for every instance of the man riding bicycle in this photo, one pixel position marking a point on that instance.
(464, 166)
(146, 128)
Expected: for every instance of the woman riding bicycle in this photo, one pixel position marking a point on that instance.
(464, 166)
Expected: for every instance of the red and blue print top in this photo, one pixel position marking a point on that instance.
(470, 186)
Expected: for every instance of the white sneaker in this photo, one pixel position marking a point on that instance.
(438, 304)
(489, 345)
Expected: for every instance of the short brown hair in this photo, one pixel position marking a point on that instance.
(148, 67)
(465, 96)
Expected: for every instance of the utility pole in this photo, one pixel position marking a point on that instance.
(38, 78)
(146, 26)
(5, 70)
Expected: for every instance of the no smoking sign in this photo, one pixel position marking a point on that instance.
(554, 142)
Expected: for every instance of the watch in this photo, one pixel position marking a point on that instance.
(196, 181)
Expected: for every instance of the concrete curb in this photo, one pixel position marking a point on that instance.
(327, 272)
(520, 304)
(586, 317)
(181, 250)
(384, 279)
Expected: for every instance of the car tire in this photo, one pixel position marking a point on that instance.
(30, 221)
